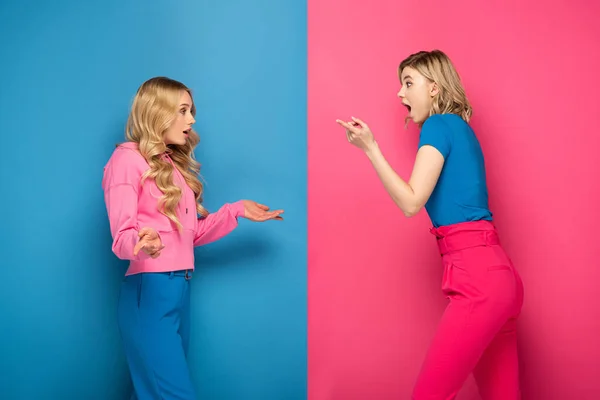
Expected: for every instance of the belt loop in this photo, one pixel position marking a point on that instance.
(435, 231)
(171, 275)
(188, 275)
(488, 235)
(442, 245)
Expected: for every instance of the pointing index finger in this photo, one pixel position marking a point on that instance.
(346, 125)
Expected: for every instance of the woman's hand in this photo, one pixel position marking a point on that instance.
(358, 133)
(149, 243)
(259, 213)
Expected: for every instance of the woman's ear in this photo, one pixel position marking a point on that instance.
(433, 89)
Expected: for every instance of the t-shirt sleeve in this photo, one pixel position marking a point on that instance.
(435, 132)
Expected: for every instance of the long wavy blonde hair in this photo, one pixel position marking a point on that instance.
(436, 66)
(153, 111)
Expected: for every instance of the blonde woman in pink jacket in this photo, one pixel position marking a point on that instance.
(153, 197)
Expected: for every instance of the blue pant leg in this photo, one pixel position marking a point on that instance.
(151, 334)
(184, 326)
(130, 328)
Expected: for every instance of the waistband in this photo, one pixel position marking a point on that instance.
(186, 273)
(465, 235)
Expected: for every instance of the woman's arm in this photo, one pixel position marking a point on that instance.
(120, 185)
(225, 220)
(121, 204)
(409, 196)
(218, 224)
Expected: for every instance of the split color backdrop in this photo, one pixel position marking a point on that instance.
(340, 300)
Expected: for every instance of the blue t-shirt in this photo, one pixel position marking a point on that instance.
(461, 192)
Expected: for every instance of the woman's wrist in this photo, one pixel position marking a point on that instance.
(372, 150)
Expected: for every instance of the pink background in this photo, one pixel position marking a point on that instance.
(531, 72)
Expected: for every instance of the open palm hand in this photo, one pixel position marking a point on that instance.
(259, 213)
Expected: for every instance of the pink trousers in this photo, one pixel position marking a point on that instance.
(477, 333)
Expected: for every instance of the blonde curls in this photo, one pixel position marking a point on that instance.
(437, 67)
(153, 111)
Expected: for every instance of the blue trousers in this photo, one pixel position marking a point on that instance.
(154, 321)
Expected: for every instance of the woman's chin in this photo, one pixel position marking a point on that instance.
(417, 120)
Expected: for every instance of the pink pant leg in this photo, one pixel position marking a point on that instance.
(497, 373)
(477, 331)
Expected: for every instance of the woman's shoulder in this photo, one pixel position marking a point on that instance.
(126, 164)
(127, 154)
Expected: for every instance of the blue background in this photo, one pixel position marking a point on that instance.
(69, 71)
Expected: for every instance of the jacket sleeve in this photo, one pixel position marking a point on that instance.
(218, 224)
(120, 184)
(121, 204)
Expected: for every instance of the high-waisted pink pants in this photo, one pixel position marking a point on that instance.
(477, 333)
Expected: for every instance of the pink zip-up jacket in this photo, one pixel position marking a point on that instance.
(132, 206)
